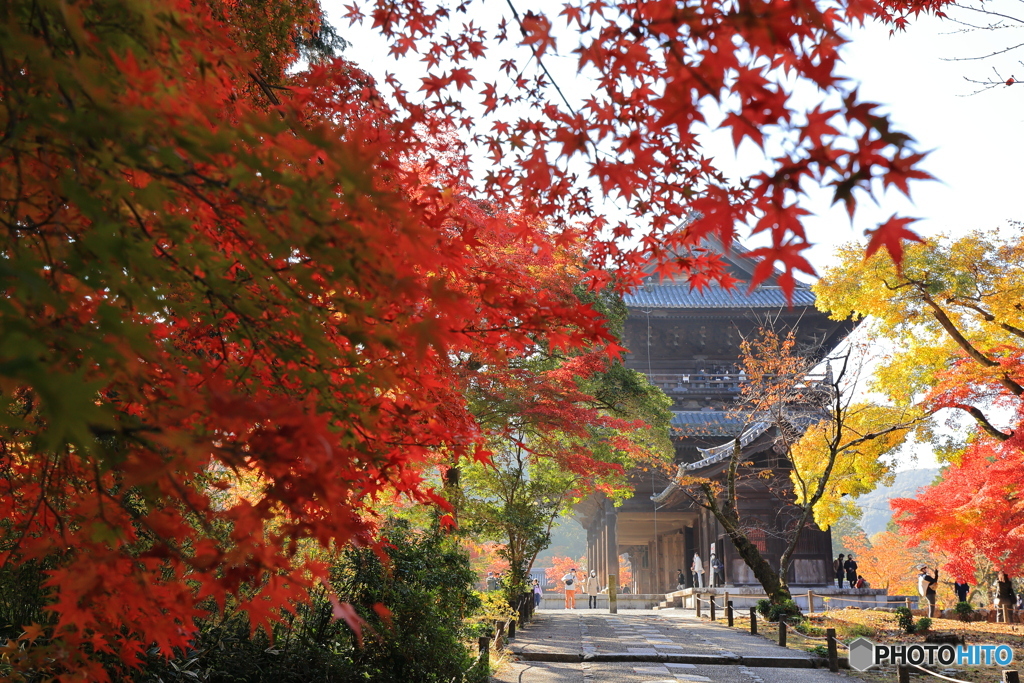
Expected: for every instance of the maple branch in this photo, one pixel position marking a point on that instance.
(962, 341)
(540, 61)
(988, 317)
(983, 422)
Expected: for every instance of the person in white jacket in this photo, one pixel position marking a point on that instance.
(698, 571)
(570, 582)
(592, 589)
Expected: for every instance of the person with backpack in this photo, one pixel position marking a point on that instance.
(926, 584)
(570, 589)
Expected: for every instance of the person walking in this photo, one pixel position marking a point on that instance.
(851, 571)
(926, 584)
(1006, 599)
(593, 587)
(569, 580)
(538, 592)
(838, 570)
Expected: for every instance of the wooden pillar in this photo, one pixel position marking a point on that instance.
(612, 557)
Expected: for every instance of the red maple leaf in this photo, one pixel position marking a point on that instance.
(891, 235)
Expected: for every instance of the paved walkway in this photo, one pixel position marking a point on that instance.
(645, 646)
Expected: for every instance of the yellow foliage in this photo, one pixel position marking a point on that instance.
(859, 441)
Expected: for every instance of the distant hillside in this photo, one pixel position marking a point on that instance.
(875, 505)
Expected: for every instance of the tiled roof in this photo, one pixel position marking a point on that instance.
(707, 423)
(681, 296)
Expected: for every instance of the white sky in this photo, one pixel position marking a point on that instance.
(975, 140)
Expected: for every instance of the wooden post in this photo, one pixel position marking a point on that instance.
(1011, 677)
(711, 597)
(696, 596)
(833, 652)
(613, 594)
(484, 643)
(728, 612)
(902, 673)
(753, 620)
(810, 602)
(908, 607)
(1006, 614)
(782, 632)
(499, 630)
(512, 629)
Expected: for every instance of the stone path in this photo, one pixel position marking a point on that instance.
(644, 646)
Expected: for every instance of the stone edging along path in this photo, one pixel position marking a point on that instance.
(746, 660)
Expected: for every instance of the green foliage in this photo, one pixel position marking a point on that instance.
(782, 610)
(905, 619)
(22, 596)
(763, 607)
(819, 651)
(964, 610)
(426, 585)
(805, 627)
(923, 624)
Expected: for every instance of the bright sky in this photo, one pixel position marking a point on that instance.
(975, 139)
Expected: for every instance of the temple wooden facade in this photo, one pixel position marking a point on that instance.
(688, 343)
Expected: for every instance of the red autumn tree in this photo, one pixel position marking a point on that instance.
(210, 278)
(560, 566)
(975, 513)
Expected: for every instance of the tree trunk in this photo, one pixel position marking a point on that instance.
(773, 585)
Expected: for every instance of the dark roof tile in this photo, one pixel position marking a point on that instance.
(707, 423)
(681, 296)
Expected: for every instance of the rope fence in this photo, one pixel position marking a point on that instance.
(932, 673)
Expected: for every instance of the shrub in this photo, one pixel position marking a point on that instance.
(905, 619)
(964, 610)
(819, 651)
(427, 587)
(781, 610)
(763, 607)
(923, 624)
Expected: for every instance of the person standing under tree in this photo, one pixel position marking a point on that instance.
(962, 589)
(838, 570)
(926, 584)
(716, 570)
(851, 571)
(570, 589)
(1006, 599)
